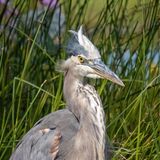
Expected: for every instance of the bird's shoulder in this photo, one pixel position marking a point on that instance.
(43, 140)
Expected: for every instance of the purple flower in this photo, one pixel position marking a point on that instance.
(50, 3)
(2, 1)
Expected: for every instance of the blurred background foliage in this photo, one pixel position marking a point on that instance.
(33, 36)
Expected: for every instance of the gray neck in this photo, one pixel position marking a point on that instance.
(84, 102)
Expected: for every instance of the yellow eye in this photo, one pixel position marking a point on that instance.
(81, 59)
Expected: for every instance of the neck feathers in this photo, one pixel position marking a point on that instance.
(84, 102)
(93, 115)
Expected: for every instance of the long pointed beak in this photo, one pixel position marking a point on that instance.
(104, 72)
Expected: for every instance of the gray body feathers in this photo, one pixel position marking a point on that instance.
(36, 145)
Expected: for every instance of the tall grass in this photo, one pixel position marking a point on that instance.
(127, 35)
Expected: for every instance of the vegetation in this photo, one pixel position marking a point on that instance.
(127, 33)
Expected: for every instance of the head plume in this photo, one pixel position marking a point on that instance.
(80, 44)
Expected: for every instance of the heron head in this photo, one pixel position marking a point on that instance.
(85, 60)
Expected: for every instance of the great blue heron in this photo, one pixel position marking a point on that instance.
(78, 132)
